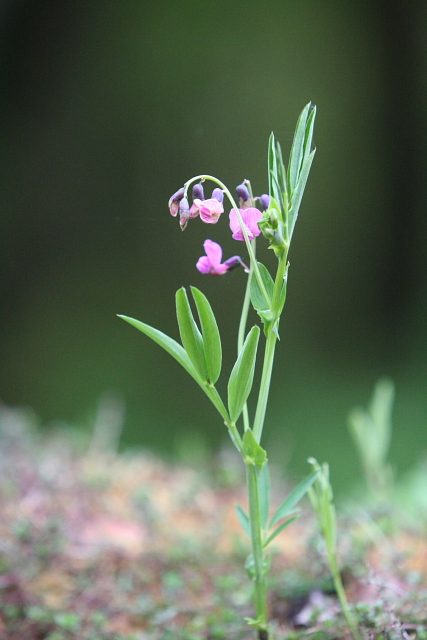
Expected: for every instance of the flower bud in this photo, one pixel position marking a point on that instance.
(218, 194)
(243, 192)
(265, 201)
(184, 213)
(175, 200)
(198, 191)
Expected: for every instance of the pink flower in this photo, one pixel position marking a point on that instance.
(251, 217)
(211, 262)
(209, 210)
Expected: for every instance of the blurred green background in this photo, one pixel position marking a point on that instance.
(108, 107)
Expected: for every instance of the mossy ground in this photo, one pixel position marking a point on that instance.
(105, 546)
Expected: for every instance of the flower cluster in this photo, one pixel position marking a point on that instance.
(210, 211)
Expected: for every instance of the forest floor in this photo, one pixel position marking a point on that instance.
(104, 546)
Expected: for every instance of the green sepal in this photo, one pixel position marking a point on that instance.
(243, 519)
(211, 337)
(253, 453)
(169, 344)
(286, 508)
(241, 378)
(264, 494)
(191, 337)
(279, 530)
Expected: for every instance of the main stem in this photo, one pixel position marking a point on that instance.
(270, 347)
(260, 599)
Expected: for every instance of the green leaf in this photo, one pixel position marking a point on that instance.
(264, 494)
(272, 169)
(297, 151)
(190, 335)
(169, 344)
(309, 134)
(257, 296)
(240, 382)
(279, 530)
(211, 337)
(295, 496)
(178, 352)
(253, 453)
(298, 193)
(243, 519)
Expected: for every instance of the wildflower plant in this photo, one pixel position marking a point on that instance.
(272, 216)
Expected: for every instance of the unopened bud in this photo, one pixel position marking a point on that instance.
(198, 192)
(265, 201)
(184, 213)
(175, 200)
(218, 194)
(243, 192)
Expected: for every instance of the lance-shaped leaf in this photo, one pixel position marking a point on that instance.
(240, 382)
(190, 335)
(169, 344)
(253, 453)
(179, 353)
(273, 182)
(211, 338)
(309, 128)
(297, 151)
(243, 519)
(257, 295)
(295, 496)
(298, 193)
(279, 529)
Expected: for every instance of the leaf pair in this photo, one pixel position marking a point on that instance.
(203, 348)
(201, 354)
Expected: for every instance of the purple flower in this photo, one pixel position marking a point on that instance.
(198, 191)
(184, 213)
(265, 201)
(251, 217)
(243, 193)
(175, 200)
(211, 262)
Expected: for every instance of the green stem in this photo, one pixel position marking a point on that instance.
(257, 547)
(270, 347)
(339, 588)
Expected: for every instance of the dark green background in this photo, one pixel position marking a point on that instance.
(109, 107)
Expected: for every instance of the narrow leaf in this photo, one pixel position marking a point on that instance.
(240, 382)
(279, 530)
(297, 151)
(243, 519)
(190, 335)
(264, 494)
(295, 496)
(272, 169)
(309, 134)
(298, 193)
(211, 337)
(253, 453)
(257, 296)
(169, 344)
